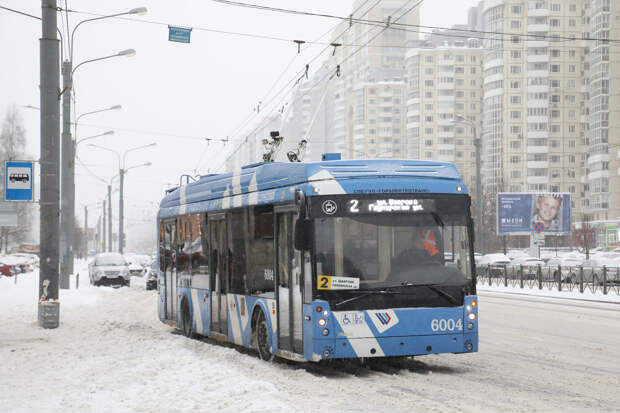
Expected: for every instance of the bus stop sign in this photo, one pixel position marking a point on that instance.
(18, 181)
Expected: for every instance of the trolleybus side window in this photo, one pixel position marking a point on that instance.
(261, 252)
(237, 245)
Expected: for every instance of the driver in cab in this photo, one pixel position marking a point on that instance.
(424, 249)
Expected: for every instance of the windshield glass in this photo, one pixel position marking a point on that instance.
(112, 259)
(393, 260)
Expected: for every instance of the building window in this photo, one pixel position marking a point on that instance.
(515, 114)
(516, 9)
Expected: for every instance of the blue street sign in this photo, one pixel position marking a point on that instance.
(18, 180)
(179, 34)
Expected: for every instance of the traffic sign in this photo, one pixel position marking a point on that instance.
(18, 180)
(539, 227)
(179, 34)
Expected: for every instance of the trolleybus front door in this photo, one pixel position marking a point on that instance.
(219, 274)
(289, 280)
(170, 269)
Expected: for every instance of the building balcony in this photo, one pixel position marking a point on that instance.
(537, 164)
(413, 101)
(537, 179)
(537, 28)
(538, 89)
(537, 134)
(537, 58)
(493, 63)
(537, 73)
(537, 149)
(532, 12)
(538, 43)
(445, 86)
(541, 103)
(445, 98)
(538, 119)
(493, 78)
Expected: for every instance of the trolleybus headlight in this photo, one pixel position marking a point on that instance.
(469, 346)
(470, 326)
(325, 331)
(471, 316)
(322, 322)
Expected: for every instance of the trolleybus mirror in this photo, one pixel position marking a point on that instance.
(303, 234)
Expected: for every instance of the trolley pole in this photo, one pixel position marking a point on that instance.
(48, 306)
(110, 244)
(67, 212)
(121, 212)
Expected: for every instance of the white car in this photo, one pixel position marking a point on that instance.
(594, 268)
(530, 266)
(493, 264)
(568, 265)
(109, 268)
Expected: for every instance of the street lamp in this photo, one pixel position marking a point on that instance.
(68, 160)
(121, 174)
(479, 203)
(77, 120)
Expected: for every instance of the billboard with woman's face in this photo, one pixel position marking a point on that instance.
(527, 213)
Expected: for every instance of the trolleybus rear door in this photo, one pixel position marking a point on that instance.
(289, 279)
(219, 274)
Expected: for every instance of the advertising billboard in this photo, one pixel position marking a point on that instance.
(533, 213)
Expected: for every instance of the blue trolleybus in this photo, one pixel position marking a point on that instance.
(325, 260)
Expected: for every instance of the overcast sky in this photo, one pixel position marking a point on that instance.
(173, 94)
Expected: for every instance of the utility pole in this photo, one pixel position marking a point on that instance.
(479, 200)
(103, 230)
(110, 218)
(49, 306)
(67, 212)
(121, 212)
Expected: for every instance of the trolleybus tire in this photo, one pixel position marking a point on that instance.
(186, 321)
(261, 333)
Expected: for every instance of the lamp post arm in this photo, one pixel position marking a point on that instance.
(118, 156)
(135, 149)
(86, 21)
(92, 60)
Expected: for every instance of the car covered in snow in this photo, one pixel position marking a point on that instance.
(109, 268)
(568, 266)
(493, 264)
(529, 265)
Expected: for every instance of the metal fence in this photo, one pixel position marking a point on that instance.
(594, 279)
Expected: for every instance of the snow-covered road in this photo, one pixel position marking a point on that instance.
(111, 354)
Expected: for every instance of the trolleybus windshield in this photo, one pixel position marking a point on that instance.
(392, 252)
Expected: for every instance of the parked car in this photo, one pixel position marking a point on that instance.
(594, 268)
(151, 280)
(109, 268)
(530, 266)
(27, 262)
(569, 267)
(495, 263)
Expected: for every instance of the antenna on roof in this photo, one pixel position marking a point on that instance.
(298, 155)
(272, 146)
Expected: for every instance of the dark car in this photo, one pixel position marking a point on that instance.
(151, 279)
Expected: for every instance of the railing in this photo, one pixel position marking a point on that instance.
(581, 279)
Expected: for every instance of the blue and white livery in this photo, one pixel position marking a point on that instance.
(325, 260)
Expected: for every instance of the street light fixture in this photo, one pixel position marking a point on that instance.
(479, 203)
(121, 174)
(68, 146)
(77, 120)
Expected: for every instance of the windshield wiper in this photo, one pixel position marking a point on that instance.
(437, 289)
(366, 294)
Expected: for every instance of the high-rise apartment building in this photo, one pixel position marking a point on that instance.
(370, 93)
(533, 97)
(445, 86)
(602, 144)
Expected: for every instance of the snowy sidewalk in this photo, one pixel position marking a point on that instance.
(610, 297)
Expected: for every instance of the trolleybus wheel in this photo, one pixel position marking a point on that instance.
(262, 338)
(186, 321)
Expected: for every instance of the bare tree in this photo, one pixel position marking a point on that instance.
(13, 147)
